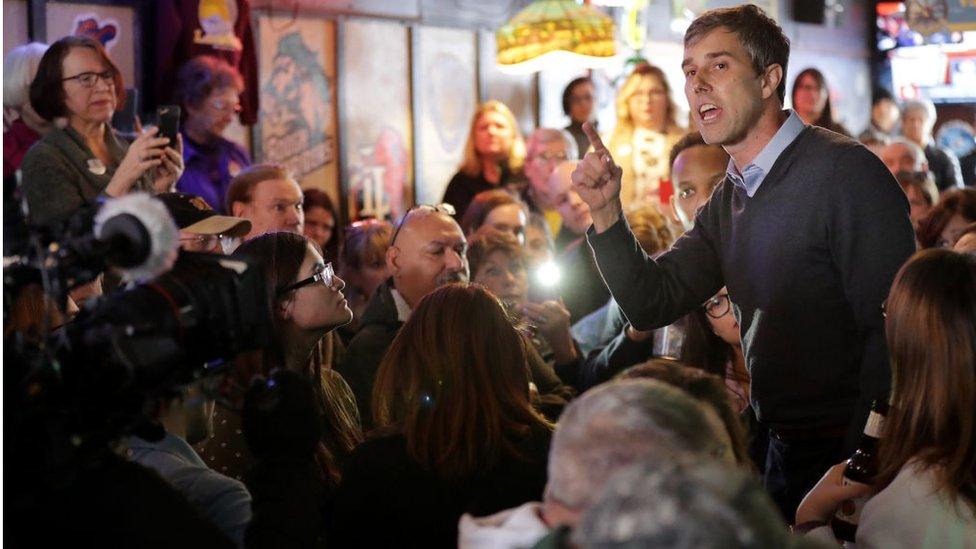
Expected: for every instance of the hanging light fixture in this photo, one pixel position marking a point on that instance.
(550, 33)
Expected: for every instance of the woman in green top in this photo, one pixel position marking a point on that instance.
(79, 88)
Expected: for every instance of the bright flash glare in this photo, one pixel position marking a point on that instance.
(548, 274)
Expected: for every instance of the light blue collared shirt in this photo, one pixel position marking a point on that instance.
(755, 172)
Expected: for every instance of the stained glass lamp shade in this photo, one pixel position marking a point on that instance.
(549, 32)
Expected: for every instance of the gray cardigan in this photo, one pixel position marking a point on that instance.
(60, 174)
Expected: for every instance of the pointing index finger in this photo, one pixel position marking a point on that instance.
(594, 138)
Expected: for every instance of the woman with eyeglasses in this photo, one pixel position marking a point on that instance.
(209, 90)
(306, 300)
(78, 88)
(712, 343)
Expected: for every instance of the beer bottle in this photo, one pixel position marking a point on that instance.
(861, 468)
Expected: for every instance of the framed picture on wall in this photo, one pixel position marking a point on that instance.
(375, 108)
(297, 77)
(445, 97)
(519, 92)
(117, 24)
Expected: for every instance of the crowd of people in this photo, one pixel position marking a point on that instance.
(672, 339)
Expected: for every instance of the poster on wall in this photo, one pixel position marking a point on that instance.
(375, 108)
(114, 26)
(445, 95)
(297, 122)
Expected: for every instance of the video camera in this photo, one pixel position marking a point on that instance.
(72, 392)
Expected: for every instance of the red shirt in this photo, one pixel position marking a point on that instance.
(16, 141)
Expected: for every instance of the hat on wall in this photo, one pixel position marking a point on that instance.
(193, 215)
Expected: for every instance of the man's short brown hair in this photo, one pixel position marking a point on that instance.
(758, 33)
(242, 186)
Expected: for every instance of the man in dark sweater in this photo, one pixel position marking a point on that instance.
(807, 231)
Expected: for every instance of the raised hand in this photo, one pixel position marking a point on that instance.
(597, 180)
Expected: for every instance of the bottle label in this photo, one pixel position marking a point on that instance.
(849, 512)
(873, 426)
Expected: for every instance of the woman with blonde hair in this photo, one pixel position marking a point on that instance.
(646, 129)
(493, 156)
(924, 494)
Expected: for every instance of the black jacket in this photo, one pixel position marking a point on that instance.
(386, 499)
(366, 350)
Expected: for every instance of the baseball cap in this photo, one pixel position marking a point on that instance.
(193, 215)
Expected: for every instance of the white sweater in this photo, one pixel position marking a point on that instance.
(909, 513)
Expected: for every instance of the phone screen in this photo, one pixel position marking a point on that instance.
(168, 119)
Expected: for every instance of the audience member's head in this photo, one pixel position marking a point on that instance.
(917, 119)
(455, 384)
(19, 68)
(884, 111)
(876, 142)
(682, 505)
(209, 90)
(546, 147)
(710, 391)
(494, 136)
(77, 80)
(921, 191)
(496, 208)
(498, 263)
(363, 256)
(613, 426)
(427, 251)
(269, 197)
(650, 227)
(902, 155)
(711, 337)
(539, 244)
(574, 211)
(321, 222)
(644, 101)
(696, 168)
(579, 98)
(945, 221)
(201, 228)
(930, 326)
(967, 240)
(811, 98)
(303, 294)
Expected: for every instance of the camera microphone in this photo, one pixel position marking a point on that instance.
(137, 235)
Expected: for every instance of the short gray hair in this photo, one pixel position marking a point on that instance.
(542, 136)
(923, 105)
(19, 68)
(917, 152)
(618, 424)
(682, 505)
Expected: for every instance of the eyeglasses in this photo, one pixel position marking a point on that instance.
(444, 208)
(223, 105)
(718, 306)
(549, 157)
(325, 276)
(90, 79)
(202, 241)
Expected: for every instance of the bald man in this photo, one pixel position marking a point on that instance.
(426, 252)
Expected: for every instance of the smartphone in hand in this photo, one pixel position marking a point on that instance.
(168, 120)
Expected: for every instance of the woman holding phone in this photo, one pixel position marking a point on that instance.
(79, 88)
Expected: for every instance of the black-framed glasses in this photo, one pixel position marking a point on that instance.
(325, 276)
(89, 79)
(718, 306)
(443, 208)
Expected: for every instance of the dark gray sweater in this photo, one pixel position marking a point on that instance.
(59, 178)
(808, 262)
